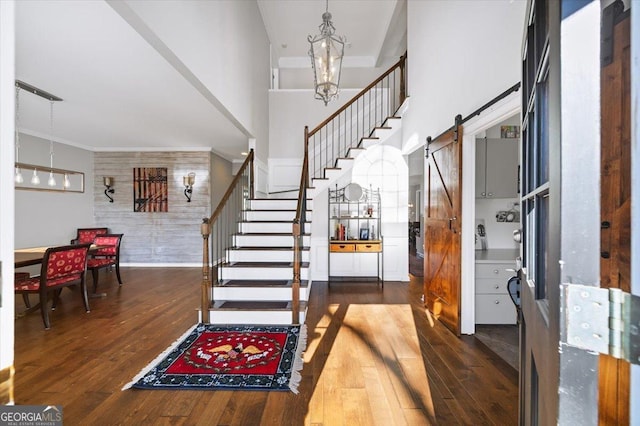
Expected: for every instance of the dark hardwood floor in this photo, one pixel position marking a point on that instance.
(373, 357)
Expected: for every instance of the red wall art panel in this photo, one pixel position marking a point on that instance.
(150, 192)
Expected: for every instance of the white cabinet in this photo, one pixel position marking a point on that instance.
(496, 168)
(493, 303)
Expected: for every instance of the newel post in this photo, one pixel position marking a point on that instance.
(205, 304)
(295, 287)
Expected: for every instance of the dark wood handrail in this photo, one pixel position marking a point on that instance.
(248, 161)
(340, 110)
(299, 220)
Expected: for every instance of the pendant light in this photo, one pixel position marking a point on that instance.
(18, 176)
(52, 180)
(326, 51)
(35, 179)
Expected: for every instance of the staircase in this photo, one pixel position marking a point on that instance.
(255, 282)
(256, 266)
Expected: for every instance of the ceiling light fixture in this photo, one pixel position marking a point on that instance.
(326, 51)
(35, 179)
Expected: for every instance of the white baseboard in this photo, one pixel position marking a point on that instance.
(162, 265)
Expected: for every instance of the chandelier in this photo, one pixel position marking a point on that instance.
(327, 50)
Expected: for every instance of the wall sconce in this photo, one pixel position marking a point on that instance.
(108, 182)
(188, 182)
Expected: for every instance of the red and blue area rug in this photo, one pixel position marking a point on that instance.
(229, 357)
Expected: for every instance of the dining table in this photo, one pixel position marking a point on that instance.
(28, 256)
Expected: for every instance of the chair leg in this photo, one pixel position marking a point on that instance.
(27, 303)
(44, 311)
(118, 273)
(95, 273)
(56, 295)
(85, 298)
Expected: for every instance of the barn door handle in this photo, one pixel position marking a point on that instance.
(451, 219)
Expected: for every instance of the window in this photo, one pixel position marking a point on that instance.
(535, 149)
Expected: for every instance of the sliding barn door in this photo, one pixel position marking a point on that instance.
(442, 254)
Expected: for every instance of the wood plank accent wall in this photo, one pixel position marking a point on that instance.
(165, 238)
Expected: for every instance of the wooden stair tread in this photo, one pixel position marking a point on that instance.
(270, 221)
(268, 248)
(276, 199)
(269, 233)
(261, 283)
(273, 210)
(263, 264)
(255, 305)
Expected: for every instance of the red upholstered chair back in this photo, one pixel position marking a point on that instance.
(88, 235)
(109, 245)
(63, 264)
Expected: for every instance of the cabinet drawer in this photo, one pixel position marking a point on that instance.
(368, 247)
(342, 247)
(495, 309)
(492, 286)
(497, 271)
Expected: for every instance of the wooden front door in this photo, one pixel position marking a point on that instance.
(615, 209)
(442, 254)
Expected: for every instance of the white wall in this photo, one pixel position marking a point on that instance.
(290, 111)
(461, 55)
(224, 43)
(47, 217)
(499, 234)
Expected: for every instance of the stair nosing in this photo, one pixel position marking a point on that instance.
(277, 234)
(269, 221)
(261, 283)
(262, 265)
(268, 248)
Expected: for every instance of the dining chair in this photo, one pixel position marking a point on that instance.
(62, 266)
(19, 277)
(107, 255)
(88, 235)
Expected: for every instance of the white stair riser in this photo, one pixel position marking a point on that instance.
(265, 255)
(257, 293)
(344, 163)
(368, 143)
(268, 240)
(277, 204)
(276, 227)
(252, 317)
(280, 215)
(256, 273)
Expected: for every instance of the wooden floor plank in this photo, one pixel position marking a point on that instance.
(372, 358)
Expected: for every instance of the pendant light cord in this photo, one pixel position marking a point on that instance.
(17, 124)
(51, 135)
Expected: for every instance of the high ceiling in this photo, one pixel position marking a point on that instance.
(121, 94)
